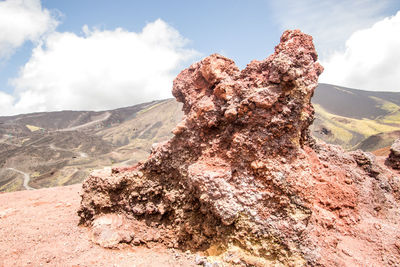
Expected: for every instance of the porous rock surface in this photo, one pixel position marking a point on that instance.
(394, 156)
(243, 181)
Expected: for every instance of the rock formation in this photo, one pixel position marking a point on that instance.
(394, 156)
(243, 181)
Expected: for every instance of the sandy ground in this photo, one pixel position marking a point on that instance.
(40, 228)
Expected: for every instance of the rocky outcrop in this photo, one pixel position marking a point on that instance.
(243, 181)
(394, 157)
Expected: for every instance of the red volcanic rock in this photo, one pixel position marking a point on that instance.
(394, 156)
(243, 180)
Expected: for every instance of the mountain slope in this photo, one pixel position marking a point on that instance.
(347, 116)
(61, 148)
(378, 141)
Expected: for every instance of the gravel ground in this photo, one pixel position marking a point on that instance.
(40, 228)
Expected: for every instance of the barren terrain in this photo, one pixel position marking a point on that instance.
(40, 228)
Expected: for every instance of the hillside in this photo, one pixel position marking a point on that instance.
(379, 141)
(60, 148)
(347, 116)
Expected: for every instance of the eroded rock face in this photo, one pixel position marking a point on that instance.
(394, 156)
(243, 179)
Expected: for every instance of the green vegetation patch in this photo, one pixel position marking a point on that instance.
(345, 128)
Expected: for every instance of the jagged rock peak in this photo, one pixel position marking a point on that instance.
(272, 95)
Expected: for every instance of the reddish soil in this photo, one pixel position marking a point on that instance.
(40, 228)
(382, 152)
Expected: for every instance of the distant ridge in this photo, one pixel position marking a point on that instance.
(354, 103)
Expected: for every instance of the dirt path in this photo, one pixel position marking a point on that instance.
(40, 228)
(91, 123)
(27, 178)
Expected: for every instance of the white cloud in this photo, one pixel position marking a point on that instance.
(20, 21)
(371, 60)
(6, 102)
(330, 22)
(100, 70)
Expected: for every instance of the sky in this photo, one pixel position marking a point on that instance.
(101, 54)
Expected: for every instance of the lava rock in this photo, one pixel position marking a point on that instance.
(242, 174)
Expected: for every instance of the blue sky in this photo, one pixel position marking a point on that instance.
(211, 26)
(68, 54)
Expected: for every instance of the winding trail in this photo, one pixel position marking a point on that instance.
(27, 178)
(105, 116)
